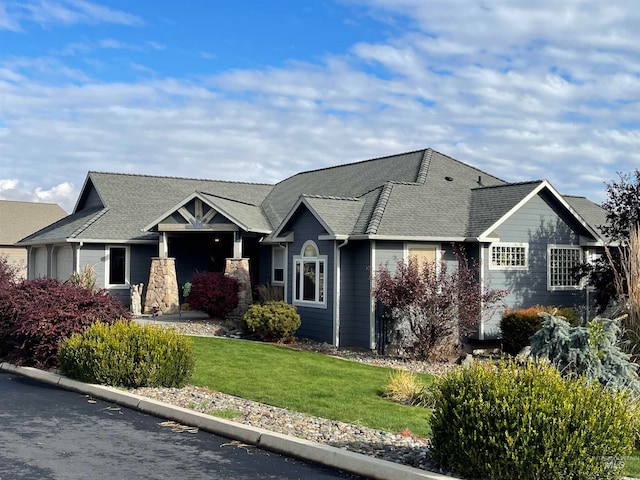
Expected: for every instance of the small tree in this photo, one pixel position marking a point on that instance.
(437, 304)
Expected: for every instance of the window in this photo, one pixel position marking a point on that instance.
(117, 266)
(560, 262)
(278, 259)
(310, 281)
(509, 256)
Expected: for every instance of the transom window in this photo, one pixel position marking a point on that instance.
(310, 280)
(509, 256)
(561, 260)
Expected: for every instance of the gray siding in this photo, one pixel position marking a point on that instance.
(317, 323)
(139, 267)
(355, 295)
(537, 224)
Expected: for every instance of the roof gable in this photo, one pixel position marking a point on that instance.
(539, 187)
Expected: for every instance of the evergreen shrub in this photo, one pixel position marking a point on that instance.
(271, 321)
(36, 315)
(507, 421)
(213, 293)
(590, 351)
(129, 355)
(518, 325)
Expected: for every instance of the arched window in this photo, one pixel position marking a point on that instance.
(310, 282)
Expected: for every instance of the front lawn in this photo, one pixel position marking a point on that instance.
(301, 381)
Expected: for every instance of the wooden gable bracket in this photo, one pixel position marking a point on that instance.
(199, 220)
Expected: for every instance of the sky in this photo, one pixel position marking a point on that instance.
(258, 90)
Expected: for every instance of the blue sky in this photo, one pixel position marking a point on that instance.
(256, 91)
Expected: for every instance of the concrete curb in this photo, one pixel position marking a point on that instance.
(287, 445)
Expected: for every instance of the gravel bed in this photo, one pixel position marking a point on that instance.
(404, 449)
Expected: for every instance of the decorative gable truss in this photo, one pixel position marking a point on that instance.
(195, 215)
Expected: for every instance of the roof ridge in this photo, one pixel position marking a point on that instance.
(88, 223)
(352, 163)
(424, 166)
(178, 178)
(509, 184)
(227, 198)
(330, 197)
(378, 211)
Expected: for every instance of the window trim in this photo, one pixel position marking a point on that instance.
(127, 267)
(524, 267)
(300, 260)
(555, 288)
(273, 265)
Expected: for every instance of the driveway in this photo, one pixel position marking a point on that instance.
(48, 433)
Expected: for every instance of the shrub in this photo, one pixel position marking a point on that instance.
(36, 315)
(528, 422)
(128, 355)
(405, 387)
(518, 325)
(271, 321)
(213, 293)
(433, 304)
(85, 279)
(590, 351)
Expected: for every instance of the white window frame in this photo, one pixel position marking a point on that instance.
(127, 267)
(298, 268)
(552, 247)
(525, 246)
(283, 249)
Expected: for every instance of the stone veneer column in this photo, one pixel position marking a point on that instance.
(238, 268)
(162, 290)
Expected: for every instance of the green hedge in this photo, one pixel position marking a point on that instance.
(271, 321)
(507, 421)
(128, 355)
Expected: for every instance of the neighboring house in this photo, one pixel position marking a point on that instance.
(319, 234)
(19, 219)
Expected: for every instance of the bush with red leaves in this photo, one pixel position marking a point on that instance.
(37, 315)
(213, 293)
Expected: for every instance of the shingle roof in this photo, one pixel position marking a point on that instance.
(436, 207)
(350, 180)
(339, 214)
(131, 201)
(420, 194)
(19, 219)
(590, 212)
(489, 204)
(246, 215)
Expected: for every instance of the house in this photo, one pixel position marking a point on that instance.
(319, 234)
(19, 219)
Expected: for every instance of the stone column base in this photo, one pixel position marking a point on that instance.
(162, 290)
(238, 268)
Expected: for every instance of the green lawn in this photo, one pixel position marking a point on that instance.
(306, 382)
(314, 384)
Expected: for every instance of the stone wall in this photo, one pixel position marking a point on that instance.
(162, 291)
(238, 268)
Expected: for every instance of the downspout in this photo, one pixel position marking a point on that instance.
(336, 303)
(482, 285)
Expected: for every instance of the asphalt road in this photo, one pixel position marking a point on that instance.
(47, 433)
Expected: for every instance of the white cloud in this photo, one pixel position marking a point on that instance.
(522, 90)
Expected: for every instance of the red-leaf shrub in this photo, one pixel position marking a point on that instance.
(213, 293)
(37, 315)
